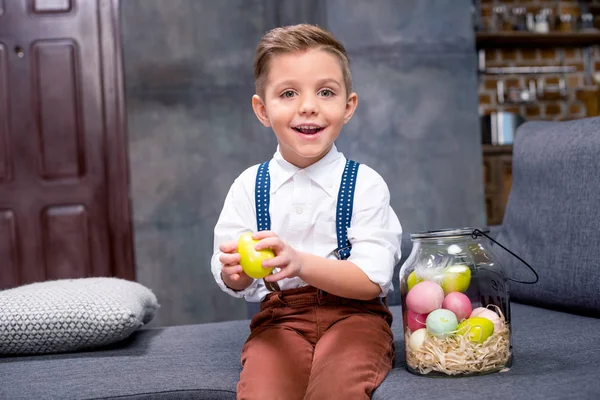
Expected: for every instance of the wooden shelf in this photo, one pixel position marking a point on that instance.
(528, 39)
(497, 149)
(594, 8)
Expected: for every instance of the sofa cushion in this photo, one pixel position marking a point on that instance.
(552, 218)
(554, 358)
(72, 314)
(179, 362)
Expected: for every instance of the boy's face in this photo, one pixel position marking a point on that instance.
(305, 103)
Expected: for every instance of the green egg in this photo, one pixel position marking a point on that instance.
(441, 322)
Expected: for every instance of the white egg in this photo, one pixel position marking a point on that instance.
(416, 340)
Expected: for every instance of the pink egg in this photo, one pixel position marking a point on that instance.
(415, 321)
(425, 297)
(459, 304)
(488, 314)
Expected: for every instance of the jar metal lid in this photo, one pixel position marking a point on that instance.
(442, 233)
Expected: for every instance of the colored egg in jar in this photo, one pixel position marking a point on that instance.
(488, 314)
(457, 278)
(425, 297)
(415, 321)
(441, 322)
(477, 329)
(459, 304)
(413, 279)
(417, 338)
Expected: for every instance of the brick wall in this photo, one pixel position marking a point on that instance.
(550, 105)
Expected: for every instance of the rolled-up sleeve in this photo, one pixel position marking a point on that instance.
(375, 232)
(236, 218)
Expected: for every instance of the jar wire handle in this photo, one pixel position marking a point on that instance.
(477, 233)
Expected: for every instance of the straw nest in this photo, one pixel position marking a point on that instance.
(457, 355)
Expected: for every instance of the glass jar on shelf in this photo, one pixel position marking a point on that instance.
(500, 19)
(455, 305)
(586, 22)
(567, 23)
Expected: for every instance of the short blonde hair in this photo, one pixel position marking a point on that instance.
(293, 38)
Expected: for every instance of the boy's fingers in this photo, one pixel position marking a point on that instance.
(232, 270)
(276, 262)
(272, 242)
(276, 277)
(228, 247)
(229, 259)
(234, 277)
(262, 234)
(237, 276)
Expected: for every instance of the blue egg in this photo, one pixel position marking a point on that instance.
(441, 322)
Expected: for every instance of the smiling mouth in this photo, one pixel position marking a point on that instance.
(308, 130)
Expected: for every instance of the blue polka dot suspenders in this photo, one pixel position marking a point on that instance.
(343, 215)
(262, 197)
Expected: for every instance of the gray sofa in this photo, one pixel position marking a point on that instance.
(552, 221)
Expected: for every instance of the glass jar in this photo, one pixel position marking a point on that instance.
(455, 305)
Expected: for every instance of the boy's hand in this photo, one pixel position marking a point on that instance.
(286, 258)
(231, 272)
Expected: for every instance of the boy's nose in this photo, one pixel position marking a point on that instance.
(308, 105)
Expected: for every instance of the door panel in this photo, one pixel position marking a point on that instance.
(8, 247)
(4, 161)
(41, 6)
(64, 203)
(66, 242)
(56, 90)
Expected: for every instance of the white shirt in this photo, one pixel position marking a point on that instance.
(302, 209)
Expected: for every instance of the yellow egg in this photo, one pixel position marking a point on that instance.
(251, 259)
(413, 279)
(478, 329)
(489, 314)
(457, 278)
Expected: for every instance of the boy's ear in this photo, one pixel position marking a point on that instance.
(260, 110)
(351, 104)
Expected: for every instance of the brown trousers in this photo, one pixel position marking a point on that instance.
(307, 344)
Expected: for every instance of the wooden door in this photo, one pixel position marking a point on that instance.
(64, 204)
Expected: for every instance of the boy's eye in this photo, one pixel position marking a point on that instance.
(288, 94)
(326, 93)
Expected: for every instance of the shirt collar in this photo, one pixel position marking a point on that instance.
(320, 172)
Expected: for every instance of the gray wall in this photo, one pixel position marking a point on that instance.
(188, 74)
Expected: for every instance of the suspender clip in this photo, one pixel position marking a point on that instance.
(342, 253)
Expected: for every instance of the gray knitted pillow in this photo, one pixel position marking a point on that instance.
(72, 314)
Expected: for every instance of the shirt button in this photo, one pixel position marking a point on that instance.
(299, 210)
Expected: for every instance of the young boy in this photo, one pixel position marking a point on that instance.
(323, 331)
